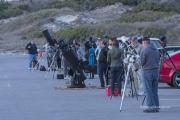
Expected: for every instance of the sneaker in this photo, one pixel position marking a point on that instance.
(157, 110)
(150, 110)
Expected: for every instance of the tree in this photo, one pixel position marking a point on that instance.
(3, 5)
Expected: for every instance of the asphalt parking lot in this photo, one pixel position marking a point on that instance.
(31, 95)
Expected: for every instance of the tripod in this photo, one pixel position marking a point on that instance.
(39, 60)
(127, 77)
(53, 63)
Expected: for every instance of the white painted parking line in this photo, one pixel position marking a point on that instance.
(170, 100)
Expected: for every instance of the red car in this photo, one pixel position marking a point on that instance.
(170, 69)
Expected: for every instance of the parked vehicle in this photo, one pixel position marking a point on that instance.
(170, 68)
(156, 42)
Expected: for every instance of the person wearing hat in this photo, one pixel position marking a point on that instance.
(150, 59)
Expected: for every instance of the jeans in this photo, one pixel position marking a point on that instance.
(31, 57)
(116, 77)
(138, 80)
(150, 79)
(102, 67)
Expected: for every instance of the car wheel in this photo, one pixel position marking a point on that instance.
(176, 79)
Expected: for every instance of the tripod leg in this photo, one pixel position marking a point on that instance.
(135, 89)
(55, 69)
(53, 60)
(143, 100)
(52, 63)
(124, 89)
(131, 82)
(53, 74)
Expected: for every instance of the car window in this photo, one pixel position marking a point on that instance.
(156, 43)
(170, 51)
(177, 49)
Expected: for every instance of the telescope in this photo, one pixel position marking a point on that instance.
(48, 37)
(77, 66)
(130, 54)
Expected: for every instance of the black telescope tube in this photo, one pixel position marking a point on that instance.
(48, 37)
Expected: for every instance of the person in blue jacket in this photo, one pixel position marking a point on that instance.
(91, 59)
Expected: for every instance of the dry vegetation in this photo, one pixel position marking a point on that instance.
(148, 17)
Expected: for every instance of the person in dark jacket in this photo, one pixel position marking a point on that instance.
(102, 63)
(115, 59)
(150, 59)
(32, 53)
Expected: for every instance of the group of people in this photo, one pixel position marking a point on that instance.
(108, 56)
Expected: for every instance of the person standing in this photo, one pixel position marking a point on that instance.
(163, 41)
(150, 59)
(89, 44)
(115, 59)
(32, 53)
(80, 52)
(102, 63)
(91, 60)
(137, 74)
(97, 52)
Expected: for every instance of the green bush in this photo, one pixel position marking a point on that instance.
(174, 35)
(24, 7)
(66, 3)
(7, 10)
(7, 13)
(36, 17)
(33, 19)
(131, 2)
(144, 16)
(157, 6)
(99, 32)
(35, 34)
(153, 31)
(79, 33)
(80, 5)
(3, 5)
